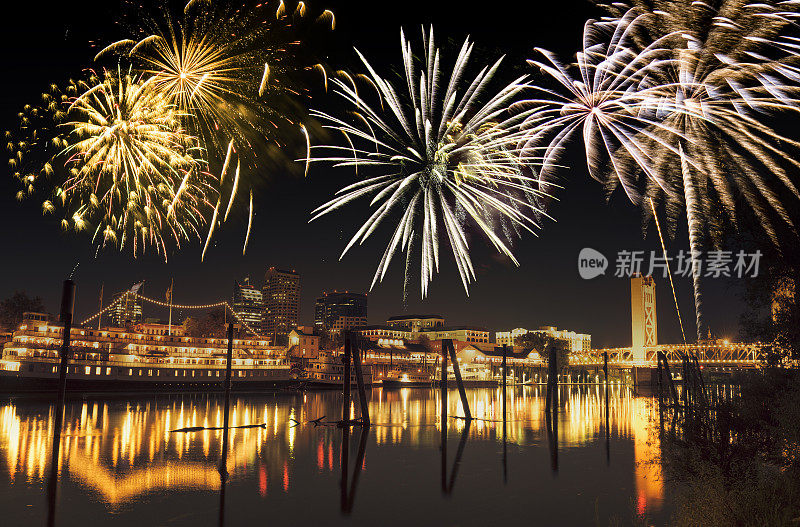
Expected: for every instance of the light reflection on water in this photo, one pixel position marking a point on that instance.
(119, 463)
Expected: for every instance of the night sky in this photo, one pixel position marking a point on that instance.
(46, 43)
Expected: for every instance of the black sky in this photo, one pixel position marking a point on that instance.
(45, 42)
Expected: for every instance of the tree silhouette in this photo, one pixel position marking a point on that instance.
(12, 308)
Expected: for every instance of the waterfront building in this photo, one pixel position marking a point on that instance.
(578, 342)
(399, 332)
(248, 304)
(281, 294)
(339, 311)
(644, 331)
(507, 337)
(128, 307)
(303, 343)
(415, 323)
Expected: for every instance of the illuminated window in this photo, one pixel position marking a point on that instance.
(88, 370)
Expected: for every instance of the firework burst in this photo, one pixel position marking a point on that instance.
(607, 99)
(442, 160)
(132, 173)
(231, 71)
(732, 64)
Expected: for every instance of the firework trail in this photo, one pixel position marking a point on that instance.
(439, 159)
(232, 72)
(126, 168)
(732, 63)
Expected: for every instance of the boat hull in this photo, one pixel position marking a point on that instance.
(12, 383)
(395, 384)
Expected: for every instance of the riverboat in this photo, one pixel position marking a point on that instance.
(146, 357)
(406, 379)
(327, 371)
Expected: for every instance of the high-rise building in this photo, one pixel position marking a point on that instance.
(281, 293)
(248, 304)
(643, 315)
(127, 307)
(340, 311)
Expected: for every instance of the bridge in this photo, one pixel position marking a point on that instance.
(721, 352)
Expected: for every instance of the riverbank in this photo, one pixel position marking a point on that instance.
(738, 463)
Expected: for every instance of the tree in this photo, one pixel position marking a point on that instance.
(543, 344)
(212, 324)
(12, 308)
(772, 315)
(330, 340)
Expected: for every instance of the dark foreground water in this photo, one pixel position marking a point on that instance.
(120, 465)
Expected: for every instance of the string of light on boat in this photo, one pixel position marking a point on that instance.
(177, 306)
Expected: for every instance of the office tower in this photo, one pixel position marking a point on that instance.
(127, 307)
(336, 311)
(248, 304)
(281, 294)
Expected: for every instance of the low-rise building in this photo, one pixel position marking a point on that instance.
(303, 343)
(470, 334)
(415, 323)
(578, 342)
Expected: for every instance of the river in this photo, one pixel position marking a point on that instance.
(121, 465)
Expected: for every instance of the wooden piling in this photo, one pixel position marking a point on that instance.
(346, 381)
(448, 343)
(362, 391)
(443, 417)
(67, 307)
(554, 376)
(345, 463)
(505, 353)
(223, 469)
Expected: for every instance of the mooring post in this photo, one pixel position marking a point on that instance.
(362, 390)
(662, 357)
(349, 497)
(448, 343)
(345, 463)
(554, 376)
(504, 373)
(443, 397)
(462, 442)
(549, 392)
(67, 307)
(223, 469)
(346, 380)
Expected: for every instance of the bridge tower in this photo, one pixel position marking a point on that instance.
(644, 331)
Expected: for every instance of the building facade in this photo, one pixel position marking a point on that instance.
(281, 294)
(248, 304)
(336, 311)
(469, 334)
(303, 344)
(415, 323)
(578, 342)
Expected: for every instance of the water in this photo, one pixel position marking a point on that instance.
(120, 465)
